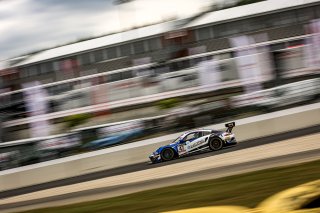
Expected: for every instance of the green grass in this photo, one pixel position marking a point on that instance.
(246, 190)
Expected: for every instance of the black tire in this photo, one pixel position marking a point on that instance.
(167, 154)
(215, 144)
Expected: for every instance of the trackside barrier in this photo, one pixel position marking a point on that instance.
(137, 152)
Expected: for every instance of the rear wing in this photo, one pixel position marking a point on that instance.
(230, 126)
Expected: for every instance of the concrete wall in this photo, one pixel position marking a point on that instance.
(248, 128)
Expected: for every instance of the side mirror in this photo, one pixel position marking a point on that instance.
(181, 141)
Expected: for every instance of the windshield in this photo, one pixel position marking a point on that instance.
(177, 140)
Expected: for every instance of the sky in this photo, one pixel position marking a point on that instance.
(30, 25)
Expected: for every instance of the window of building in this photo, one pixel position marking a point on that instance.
(286, 18)
(24, 73)
(254, 24)
(295, 43)
(271, 20)
(48, 67)
(32, 70)
(42, 68)
(17, 96)
(85, 59)
(50, 90)
(98, 55)
(231, 28)
(125, 49)
(305, 14)
(126, 75)
(218, 30)
(196, 61)
(114, 77)
(238, 26)
(138, 47)
(154, 44)
(112, 52)
(274, 47)
(204, 33)
(55, 66)
(317, 11)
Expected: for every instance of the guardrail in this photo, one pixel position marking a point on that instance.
(153, 96)
(122, 103)
(132, 153)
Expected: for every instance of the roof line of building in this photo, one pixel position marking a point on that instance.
(218, 16)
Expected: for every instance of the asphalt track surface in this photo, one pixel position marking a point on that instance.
(147, 165)
(65, 196)
(95, 194)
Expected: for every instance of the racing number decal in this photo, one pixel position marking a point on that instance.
(181, 148)
(189, 146)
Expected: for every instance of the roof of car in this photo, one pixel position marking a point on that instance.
(198, 130)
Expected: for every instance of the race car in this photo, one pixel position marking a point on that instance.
(195, 141)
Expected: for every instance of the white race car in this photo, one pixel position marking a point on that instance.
(195, 141)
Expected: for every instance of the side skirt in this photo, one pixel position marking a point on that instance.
(196, 150)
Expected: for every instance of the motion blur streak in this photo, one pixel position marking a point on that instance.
(145, 70)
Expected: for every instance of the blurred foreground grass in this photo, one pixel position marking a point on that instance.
(246, 190)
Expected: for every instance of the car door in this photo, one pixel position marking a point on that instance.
(191, 142)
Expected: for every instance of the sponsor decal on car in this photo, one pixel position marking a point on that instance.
(181, 148)
(196, 144)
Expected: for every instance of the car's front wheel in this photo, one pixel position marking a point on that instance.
(167, 154)
(215, 144)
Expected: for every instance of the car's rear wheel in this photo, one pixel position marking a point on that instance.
(167, 154)
(215, 144)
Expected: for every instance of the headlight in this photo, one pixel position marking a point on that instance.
(154, 155)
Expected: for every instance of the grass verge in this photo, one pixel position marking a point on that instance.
(246, 190)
